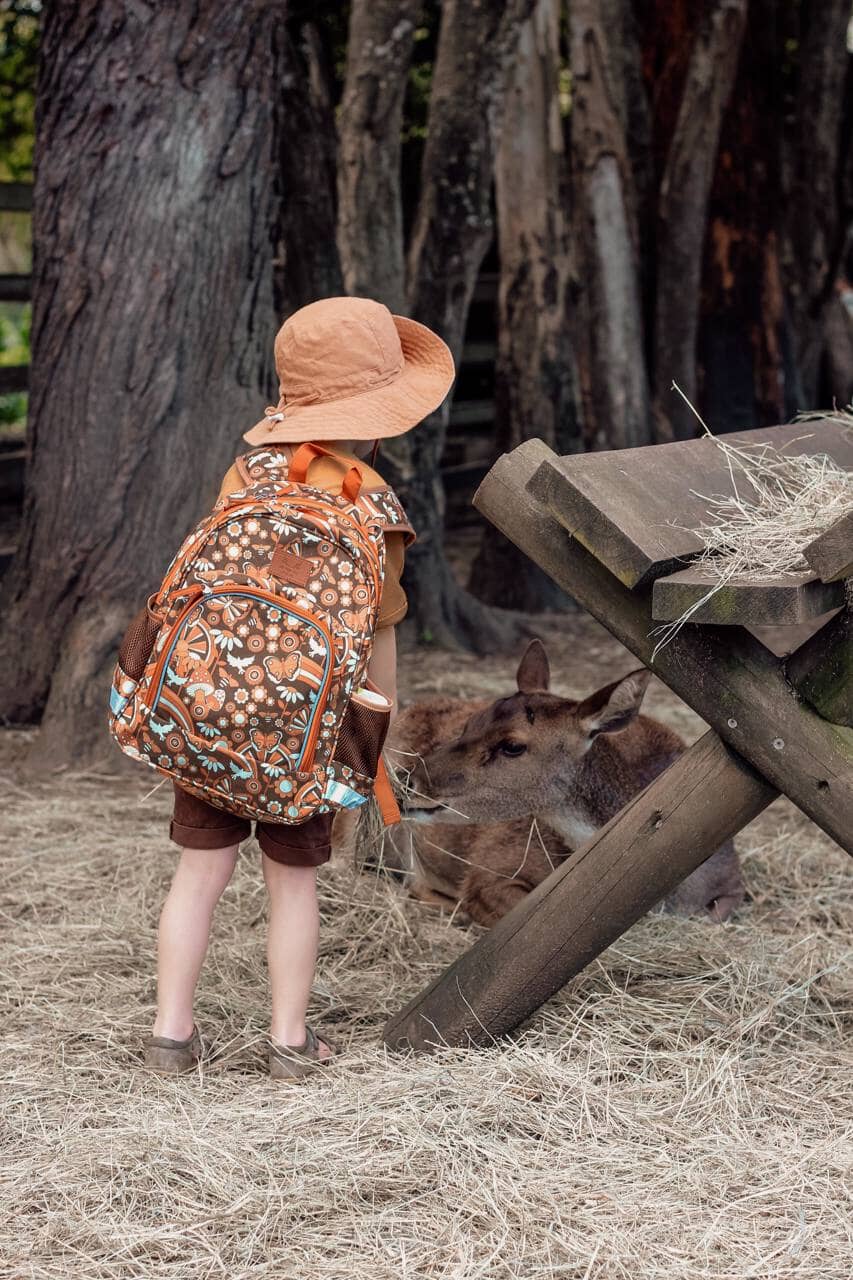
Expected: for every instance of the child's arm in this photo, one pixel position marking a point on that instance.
(382, 668)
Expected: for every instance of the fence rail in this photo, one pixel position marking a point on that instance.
(16, 197)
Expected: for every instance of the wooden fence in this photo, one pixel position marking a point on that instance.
(15, 197)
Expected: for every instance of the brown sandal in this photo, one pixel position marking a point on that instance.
(172, 1057)
(293, 1062)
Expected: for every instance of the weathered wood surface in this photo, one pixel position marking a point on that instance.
(16, 197)
(822, 670)
(15, 287)
(831, 555)
(634, 509)
(781, 601)
(14, 377)
(726, 675)
(651, 845)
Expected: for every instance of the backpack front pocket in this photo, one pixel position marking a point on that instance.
(249, 672)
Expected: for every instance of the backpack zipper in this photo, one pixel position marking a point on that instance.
(245, 508)
(157, 676)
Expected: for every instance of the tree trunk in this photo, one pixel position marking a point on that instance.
(536, 392)
(370, 220)
(453, 229)
(612, 357)
(152, 322)
(815, 230)
(743, 349)
(307, 264)
(682, 210)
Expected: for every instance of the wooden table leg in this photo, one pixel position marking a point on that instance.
(647, 849)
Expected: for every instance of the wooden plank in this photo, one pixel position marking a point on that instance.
(12, 470)
(822, 670)
(831, 555)
(14, 288)
(663, 834)
(468, 413)
(778, 602)
(723, 673)
(633, 508)
(16, 197)
(14, 377)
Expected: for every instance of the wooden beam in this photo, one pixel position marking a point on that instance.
(723, 673)
(663, 834)
(831, 555)
(821, 670)
(14, 377)
(15, 288)
(13, 465)
(636, 509)
(16, 197)
(784, 601)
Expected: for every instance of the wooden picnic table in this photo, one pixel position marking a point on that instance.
(615, 530)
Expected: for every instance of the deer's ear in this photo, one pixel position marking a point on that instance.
(615, 706)
(534, 673)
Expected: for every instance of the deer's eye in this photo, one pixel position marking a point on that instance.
(510, 748)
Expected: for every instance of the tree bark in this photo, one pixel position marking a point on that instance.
(370, 219)
(616, 406)
(452, 231)
(307, 264)
(152, 321)
(536, 388)
(816, 231)
(682, 208)
(743, 347)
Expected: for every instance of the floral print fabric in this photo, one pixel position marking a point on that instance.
(243, 695)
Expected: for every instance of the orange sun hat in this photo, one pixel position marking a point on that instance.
(350, 370)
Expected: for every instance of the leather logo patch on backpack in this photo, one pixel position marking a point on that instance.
(288, 567)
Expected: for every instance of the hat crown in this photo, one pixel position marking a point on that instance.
(335, 348)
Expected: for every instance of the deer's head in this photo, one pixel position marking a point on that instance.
(522, 754)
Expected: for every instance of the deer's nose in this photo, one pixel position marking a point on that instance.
(722, 907)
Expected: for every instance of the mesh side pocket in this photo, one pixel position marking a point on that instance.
(361, 737)
(137, 644)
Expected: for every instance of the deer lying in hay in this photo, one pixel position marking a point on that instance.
(500, 792)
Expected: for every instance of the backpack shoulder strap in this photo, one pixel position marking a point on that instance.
(242, 469)
(382, 504)
(264, 463)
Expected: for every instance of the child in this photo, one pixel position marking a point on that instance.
(350, 374)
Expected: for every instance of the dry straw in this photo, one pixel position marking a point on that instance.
(681, 1110)
(779, 504)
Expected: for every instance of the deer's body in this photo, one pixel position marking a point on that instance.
(509, 789)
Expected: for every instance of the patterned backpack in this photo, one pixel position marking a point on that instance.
(244, 677)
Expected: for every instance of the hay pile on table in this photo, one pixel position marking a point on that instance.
(779, 503)
(682, 1110)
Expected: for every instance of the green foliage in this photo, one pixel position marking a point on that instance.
(13, 413)
(19, 29)
(15, 322)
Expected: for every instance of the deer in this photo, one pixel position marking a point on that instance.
(500, 792)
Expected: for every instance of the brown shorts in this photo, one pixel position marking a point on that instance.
(199, 825)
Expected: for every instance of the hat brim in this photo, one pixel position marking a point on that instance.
(389, 410)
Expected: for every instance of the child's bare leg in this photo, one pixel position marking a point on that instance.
(199, 880)
(294, 929)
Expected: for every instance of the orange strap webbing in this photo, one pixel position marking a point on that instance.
(385, 797)
(305, 455)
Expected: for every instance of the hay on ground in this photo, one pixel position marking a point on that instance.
(682, 1111)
